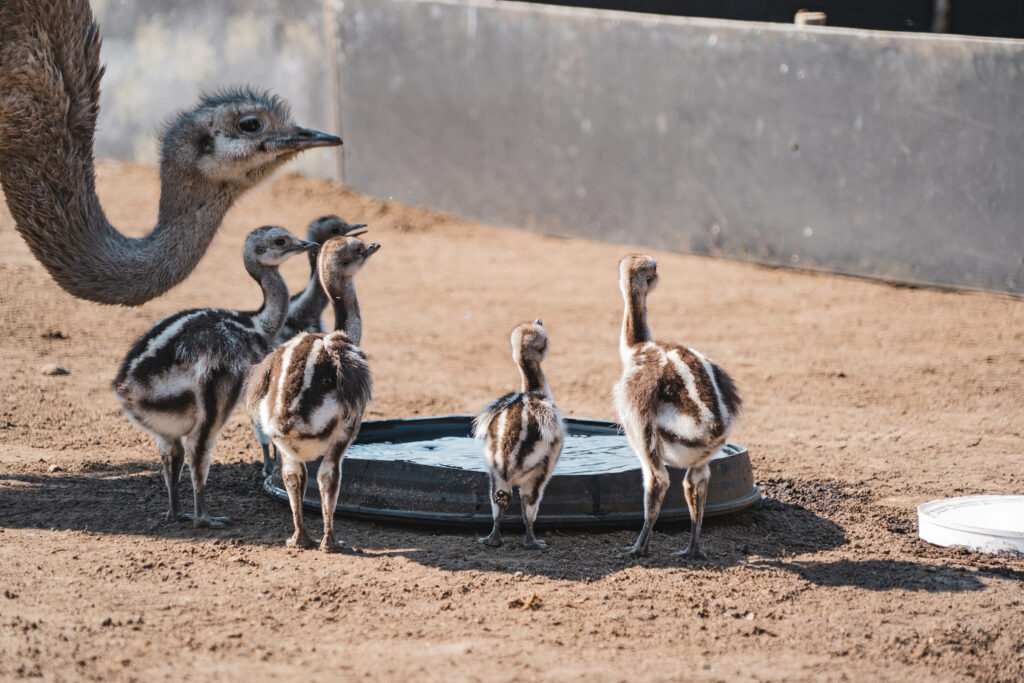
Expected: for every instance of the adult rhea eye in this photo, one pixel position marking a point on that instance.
(250, 124)
(279, 241)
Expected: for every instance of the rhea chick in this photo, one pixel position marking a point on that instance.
(181, 380)
(306, 308)
(676, 405)
(309, 395)
(523, 435)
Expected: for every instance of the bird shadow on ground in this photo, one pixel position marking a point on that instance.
(771, 529)
(767, 536)
(130, 498)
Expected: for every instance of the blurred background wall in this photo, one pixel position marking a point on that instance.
(886, 154)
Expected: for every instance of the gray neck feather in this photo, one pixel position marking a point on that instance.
(270, 318)
(310, 303)
(94, 261)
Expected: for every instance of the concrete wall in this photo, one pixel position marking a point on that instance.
(885, 154)
(161, 55)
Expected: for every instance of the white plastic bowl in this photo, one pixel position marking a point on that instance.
(988, 524)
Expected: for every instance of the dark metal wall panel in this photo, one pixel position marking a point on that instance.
(987, 18)
(887, 15)
(889, 155)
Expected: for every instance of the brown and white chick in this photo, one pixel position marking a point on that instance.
(523, 435)
(676, 406)
(309, 395)
(181, 380)
(306, 308)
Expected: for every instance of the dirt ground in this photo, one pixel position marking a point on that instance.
(862, 400)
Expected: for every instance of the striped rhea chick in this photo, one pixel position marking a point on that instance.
(310, 393)
(676, 405)
(306, 308)
(523, 435)
(181, 380)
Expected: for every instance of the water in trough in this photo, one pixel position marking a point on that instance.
(581, 453)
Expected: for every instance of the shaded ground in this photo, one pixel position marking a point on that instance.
(862, 400)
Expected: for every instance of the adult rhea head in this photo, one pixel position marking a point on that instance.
(48, 106)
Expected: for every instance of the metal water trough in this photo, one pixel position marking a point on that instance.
(397, 490)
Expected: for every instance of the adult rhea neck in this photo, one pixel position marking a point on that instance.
(191, 211)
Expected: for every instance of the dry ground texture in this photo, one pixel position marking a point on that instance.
(862, 400)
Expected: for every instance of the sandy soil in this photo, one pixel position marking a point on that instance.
(863, 400)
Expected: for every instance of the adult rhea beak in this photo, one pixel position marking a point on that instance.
(306, 138)
(371, 248)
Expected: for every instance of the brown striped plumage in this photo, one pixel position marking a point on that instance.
(310, 393)
(523, 435)
(676, 406)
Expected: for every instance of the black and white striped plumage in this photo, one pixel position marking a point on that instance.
(676, 406)
(523, 435)
(310, 393)
(306, 308)
(181, 380)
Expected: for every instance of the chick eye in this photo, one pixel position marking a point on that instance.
(250, 124)
(279, 241)
(261, 250)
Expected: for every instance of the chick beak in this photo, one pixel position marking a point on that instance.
(349, 229)
(303, 245)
